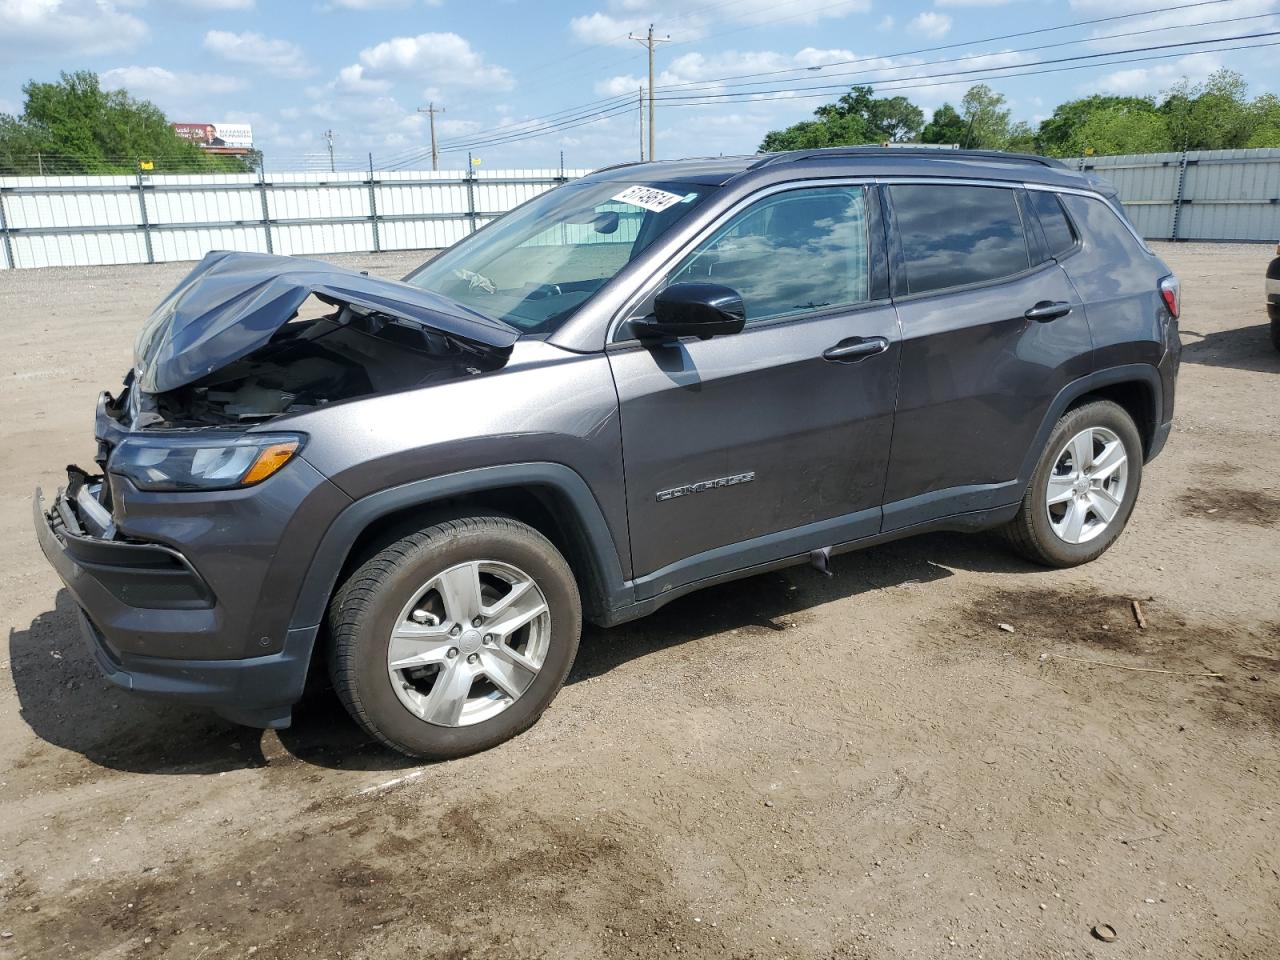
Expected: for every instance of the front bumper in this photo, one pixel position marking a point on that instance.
(136, 599)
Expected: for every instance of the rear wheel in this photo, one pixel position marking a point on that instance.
(1083, 489)
(455, 638)
(1273, 310)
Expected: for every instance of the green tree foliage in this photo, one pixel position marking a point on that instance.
(75, 127)
(857, 117)
(986, 119)
(946, 126)
(1059, 134)
(1214, 115)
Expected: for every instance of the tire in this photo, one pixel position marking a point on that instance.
(1043, 533)
(416, 581)
(1273, 310)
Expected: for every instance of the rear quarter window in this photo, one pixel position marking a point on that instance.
(953, 235)
(1058, 235)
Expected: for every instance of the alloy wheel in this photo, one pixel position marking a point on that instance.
(469, 643)
(1087, 484)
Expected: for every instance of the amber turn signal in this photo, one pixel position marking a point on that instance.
(271, 459)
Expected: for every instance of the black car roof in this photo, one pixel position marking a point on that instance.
(860, 161)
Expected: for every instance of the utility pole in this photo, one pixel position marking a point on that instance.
(642, 124)
(329, 135)
(649, 42)
(431, 110)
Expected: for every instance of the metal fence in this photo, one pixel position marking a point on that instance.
(79, 221)
(1199, 194)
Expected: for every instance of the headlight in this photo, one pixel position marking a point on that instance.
(172, 462)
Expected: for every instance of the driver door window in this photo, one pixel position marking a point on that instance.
(792, 253)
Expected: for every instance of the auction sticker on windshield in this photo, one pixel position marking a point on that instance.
(651, 198)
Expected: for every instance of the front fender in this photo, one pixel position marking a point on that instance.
(347, 527)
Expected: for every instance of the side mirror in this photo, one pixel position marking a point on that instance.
(702, 310)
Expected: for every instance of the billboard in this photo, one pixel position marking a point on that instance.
(233, 135)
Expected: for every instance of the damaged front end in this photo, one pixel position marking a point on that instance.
(245, 338)
(183, 561)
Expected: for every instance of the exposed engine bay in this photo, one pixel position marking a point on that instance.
(311, 363)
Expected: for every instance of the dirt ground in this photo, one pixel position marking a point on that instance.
(859, 767)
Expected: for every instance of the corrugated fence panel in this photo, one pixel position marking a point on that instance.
(1217, 195)
(1232, 193)
(68, 221)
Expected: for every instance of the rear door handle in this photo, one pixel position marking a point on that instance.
(1047, 310)
(855, 348)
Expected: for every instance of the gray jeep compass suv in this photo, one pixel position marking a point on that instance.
(655, 378)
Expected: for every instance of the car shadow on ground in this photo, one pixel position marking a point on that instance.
(1244, 348)
(69, 705)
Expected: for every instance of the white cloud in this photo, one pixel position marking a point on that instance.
(1143, 80)
(72, 28)
(971, 3)
(280, 57)
(351, 79)
(1178, 25)
(157, 83)
(886, 23)
(930, 24)
(694, 19)
(380, 4)
(216, 6)
(442, 59)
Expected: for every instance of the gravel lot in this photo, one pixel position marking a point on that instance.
(790, 766)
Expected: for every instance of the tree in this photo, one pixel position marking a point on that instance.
(946, 126)
(1058, 135)
(986, 120)
(1266, 130)
(1214, 115)
(74, 126)
(857, 117)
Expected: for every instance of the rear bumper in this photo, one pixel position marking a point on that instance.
(135, 597)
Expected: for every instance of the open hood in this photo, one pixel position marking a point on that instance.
(231, 304)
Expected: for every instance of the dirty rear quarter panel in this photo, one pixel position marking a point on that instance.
(1118, 282)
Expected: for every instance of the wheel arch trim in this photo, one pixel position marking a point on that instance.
(345, 530)
(1144, 373)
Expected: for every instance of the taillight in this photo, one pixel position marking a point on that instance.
(1171, 294)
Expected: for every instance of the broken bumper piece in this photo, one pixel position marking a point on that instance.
(135, 600)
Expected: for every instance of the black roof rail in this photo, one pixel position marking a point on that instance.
(925, 153)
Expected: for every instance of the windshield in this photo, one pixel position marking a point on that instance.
(538, 264)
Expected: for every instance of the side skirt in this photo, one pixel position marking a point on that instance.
(969, 522)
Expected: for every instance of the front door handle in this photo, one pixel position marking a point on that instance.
(1047, 310)
(855, 348)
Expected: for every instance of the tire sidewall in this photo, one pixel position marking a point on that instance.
(1097, 414)
(519, 547)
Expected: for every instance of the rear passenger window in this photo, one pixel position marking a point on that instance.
(953, 235)
(1053, 221)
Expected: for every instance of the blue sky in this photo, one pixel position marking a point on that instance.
(363, 67)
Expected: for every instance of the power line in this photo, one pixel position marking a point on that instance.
(907, 84)
(582, 110)
(696, 99)
(959, 43)
(711, 85)
(828, 89)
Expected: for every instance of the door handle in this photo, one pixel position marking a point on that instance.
(1047, 310)
(855, 349)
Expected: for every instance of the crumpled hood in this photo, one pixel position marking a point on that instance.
(233, 303)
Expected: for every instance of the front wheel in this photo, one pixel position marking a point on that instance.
(455, 638)
(1083, 489)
